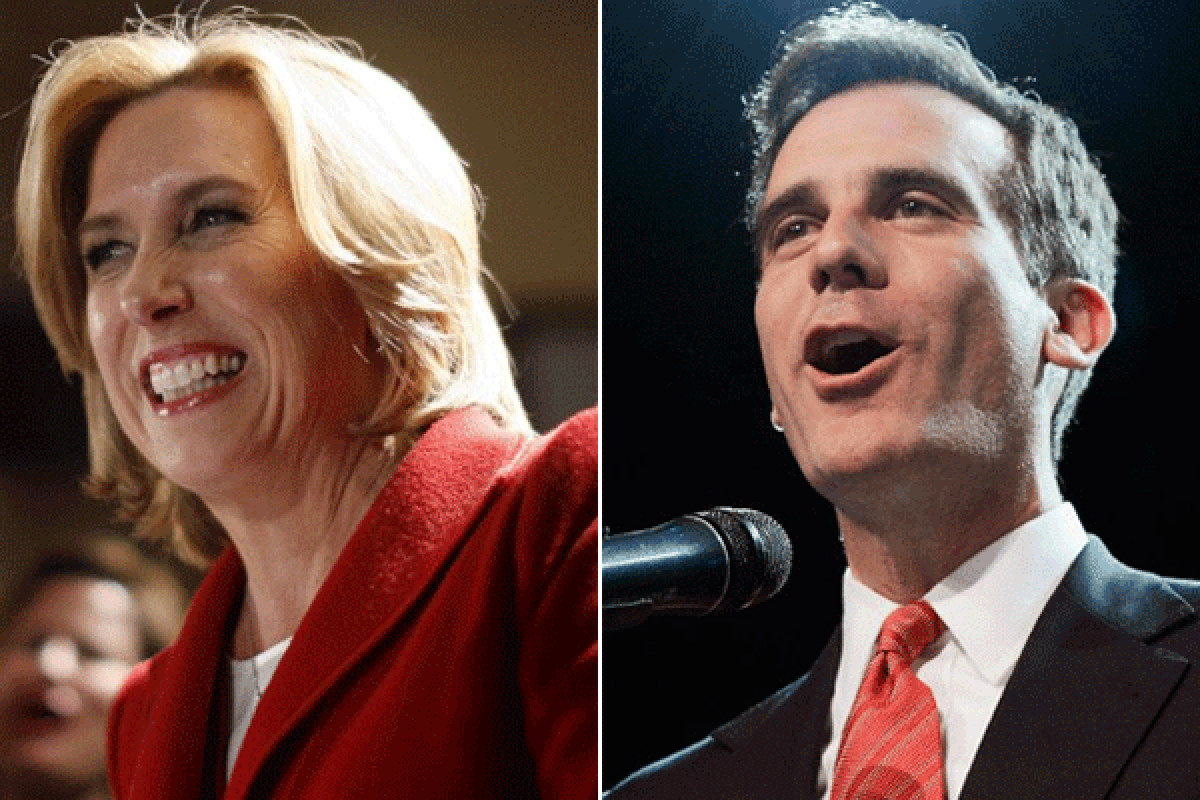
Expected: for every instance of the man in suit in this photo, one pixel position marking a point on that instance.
(937, 256)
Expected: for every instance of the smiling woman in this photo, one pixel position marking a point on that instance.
(196, 259)
(263, 259)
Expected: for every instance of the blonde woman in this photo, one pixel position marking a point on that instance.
(262, 258)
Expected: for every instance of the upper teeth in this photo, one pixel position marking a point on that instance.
(841, 338)
(192, 372)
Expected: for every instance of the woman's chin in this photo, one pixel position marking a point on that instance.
(205, 468)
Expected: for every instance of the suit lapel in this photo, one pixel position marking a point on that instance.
(778, 744)
(411, 532)
(1086, 686)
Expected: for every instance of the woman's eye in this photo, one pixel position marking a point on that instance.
(215, 217)
(98, 255)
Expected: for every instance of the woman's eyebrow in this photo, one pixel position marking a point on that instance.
(189, 192)
(185, 194)
(98, 222)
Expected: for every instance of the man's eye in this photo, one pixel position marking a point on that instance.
(916, 207)
(792, 229)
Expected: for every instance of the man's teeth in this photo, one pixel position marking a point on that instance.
(841, 338)
(193, 375)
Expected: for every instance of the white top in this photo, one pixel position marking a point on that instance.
(250, 679)
(989, 604)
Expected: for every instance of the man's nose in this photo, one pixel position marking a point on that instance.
(846, 257)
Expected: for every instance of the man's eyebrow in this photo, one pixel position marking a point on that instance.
(800, 195)
(883, 182)
(892, 180)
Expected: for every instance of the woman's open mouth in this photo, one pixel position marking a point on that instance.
(182, 378)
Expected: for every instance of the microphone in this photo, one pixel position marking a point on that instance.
(724, 559)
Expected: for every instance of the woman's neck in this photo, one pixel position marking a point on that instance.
(289, 533)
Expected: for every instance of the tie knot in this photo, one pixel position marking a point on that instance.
(909, 629)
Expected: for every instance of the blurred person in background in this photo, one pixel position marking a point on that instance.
(71, 629)
(262, 257)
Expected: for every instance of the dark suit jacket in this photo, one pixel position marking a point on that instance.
(1104, 702)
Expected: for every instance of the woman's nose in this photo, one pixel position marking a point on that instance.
(152, 293)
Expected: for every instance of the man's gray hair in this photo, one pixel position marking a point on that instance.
(1052, 197)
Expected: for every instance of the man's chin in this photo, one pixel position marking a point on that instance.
(892, 475)
(851, 470)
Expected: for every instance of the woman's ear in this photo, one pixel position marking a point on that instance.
(1085, 323)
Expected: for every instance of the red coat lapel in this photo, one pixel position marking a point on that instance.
(411, 531)
(183, 706)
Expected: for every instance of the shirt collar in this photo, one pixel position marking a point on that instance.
(863, 613)
(990, 603)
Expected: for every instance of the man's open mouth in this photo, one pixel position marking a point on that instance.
(846, 351)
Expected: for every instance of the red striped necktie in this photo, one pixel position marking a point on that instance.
(892, 745)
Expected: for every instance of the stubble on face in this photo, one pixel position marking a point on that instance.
(959, 406)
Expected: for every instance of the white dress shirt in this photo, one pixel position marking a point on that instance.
(989, 604)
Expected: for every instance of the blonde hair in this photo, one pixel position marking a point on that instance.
(378, 192)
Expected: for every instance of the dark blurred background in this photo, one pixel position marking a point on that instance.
(513, 85)
(685, 405)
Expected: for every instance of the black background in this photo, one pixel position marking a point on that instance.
(685, 403)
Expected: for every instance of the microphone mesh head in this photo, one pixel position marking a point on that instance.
(760, 555)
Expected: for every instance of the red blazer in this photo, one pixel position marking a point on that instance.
(450, 653)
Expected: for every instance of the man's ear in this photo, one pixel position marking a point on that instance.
(1085, 323)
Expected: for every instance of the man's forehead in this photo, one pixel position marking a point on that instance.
(905, 124)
